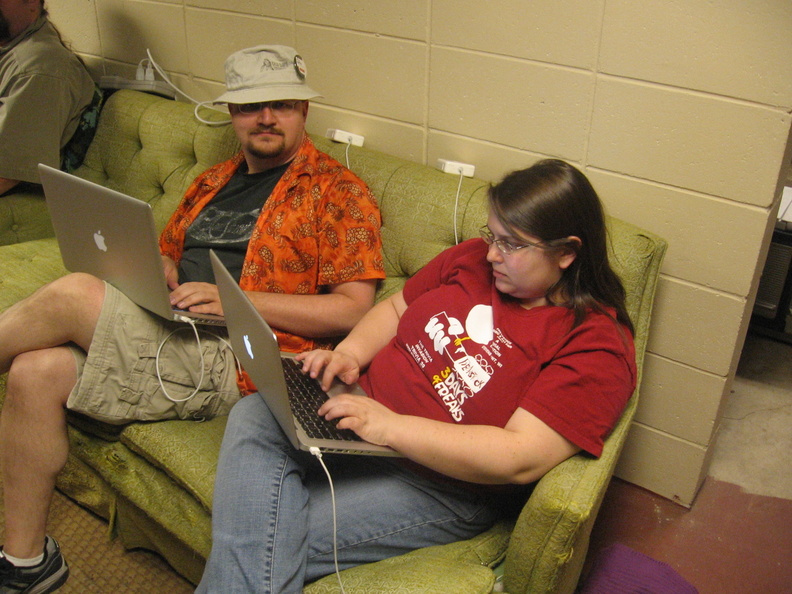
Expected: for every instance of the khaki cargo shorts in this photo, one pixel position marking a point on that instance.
(117, 379)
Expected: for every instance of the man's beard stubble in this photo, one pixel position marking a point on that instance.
(273, 150)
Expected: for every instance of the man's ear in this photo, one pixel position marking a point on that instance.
(569, 251)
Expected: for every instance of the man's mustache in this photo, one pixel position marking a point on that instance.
(267, 129)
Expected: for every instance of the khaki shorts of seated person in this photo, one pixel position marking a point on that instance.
(118, 381)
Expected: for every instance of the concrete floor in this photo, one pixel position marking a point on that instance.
(737, 537)
(755, 441)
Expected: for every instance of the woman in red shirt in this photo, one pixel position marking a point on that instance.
(501, 358)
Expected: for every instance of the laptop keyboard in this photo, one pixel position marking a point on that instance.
(305, 397)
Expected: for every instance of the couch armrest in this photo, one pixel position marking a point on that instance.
(550, 539)
(24, 215)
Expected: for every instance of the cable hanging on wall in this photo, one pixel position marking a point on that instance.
(198, 104)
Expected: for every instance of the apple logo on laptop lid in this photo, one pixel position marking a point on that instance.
(248, 346)
(100, 241)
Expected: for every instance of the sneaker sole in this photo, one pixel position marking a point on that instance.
(52, 583)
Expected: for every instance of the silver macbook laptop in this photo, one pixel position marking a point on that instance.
(112, 236)
(292, 396)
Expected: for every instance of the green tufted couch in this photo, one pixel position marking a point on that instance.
(153, 482)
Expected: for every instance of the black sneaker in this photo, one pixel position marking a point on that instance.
(47, 576)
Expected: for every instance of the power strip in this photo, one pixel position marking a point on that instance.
(344, 136)
(447, 166)
(157, 87)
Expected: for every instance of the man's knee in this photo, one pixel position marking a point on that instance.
(46, 373)
(79, 287)
(76, 300)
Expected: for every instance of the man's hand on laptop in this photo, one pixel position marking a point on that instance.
(197, 297)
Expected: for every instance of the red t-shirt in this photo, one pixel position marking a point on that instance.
(465, 353)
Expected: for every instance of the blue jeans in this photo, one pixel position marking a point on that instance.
(272, 516)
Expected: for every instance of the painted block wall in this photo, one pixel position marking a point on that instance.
(678, 111)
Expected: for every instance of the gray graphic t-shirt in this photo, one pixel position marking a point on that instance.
(226, 224)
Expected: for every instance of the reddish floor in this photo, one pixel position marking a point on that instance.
(730, 542)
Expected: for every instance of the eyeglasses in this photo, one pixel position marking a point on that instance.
(506, 247)
(279, 108)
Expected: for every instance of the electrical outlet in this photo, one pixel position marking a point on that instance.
(456, 167)
(344, 136)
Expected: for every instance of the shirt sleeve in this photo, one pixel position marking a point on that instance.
(350, 243)
(582, 391)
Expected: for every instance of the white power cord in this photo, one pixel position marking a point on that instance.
(191, 322)
(316, 452)
(456, 206)
(346, 153)
(198, 104)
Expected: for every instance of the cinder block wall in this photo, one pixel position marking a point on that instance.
(678, 111)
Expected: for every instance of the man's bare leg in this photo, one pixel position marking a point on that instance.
(33, 439)
(33, 444)
(63, 311)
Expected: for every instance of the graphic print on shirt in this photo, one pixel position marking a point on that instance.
(460, 358)
(217, 225)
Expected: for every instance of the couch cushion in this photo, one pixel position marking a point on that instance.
(26, 266)
(458, 567)
(185, 450)
(24, 215)
(148, 487)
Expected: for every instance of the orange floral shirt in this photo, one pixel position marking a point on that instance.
(319, 227)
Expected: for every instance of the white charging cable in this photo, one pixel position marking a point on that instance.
(456, 206)
(198, 104)
(192, 324)
(346, 153)
(316, 452)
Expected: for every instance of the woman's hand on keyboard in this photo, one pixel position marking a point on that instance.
(368, 418)
(327, 365)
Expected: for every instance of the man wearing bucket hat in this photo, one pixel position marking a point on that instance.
(298, 229)
(267, 97)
